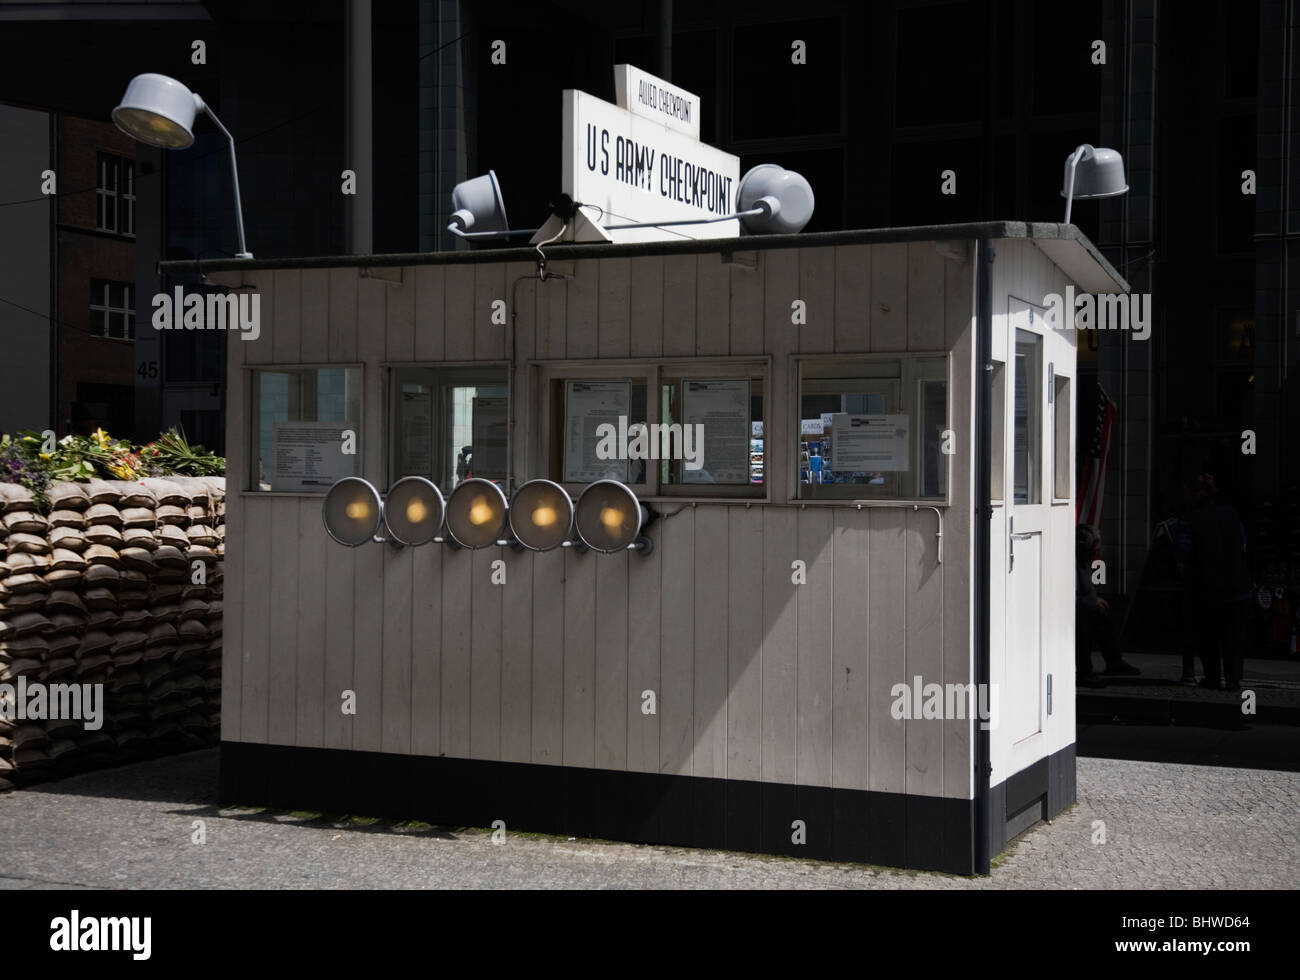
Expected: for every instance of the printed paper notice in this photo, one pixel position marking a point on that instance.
(721, 409)
(309, 455)
(587, 406)
(869, 443)
(489, 461)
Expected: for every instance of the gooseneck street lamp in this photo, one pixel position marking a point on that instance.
(160, 111)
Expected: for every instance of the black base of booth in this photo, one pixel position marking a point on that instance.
(922, 832)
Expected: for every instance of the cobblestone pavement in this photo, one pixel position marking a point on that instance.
(1166, 826)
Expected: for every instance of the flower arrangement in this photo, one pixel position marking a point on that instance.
(24, 461)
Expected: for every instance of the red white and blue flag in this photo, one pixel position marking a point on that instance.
(1092, 481)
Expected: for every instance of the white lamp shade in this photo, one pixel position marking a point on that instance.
(478, 205)
(352, 511)
(787, 196)
(1099, 173)
(159, 111)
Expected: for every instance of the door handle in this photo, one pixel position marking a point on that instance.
(1012, 538)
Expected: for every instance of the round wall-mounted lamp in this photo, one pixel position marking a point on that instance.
(352, 512)
(776, 201)
(541, 515)
(413, 511)
(1092, 173)
(609, 518)
(476, 513)
(160, 111)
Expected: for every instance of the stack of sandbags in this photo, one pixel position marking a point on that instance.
(119, 584)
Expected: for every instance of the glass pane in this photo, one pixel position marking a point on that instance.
(449, 425)
(1028, 421)
(603, 428)
(720, 424)
(300, 418)
(1061, 438)
(998, 433)
(934, 420)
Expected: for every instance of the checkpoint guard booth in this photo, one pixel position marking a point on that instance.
(842, 623)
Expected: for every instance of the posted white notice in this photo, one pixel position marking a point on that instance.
(589, 405)
(309, 455)
(490, 425)
(869, 443)
(721, 408)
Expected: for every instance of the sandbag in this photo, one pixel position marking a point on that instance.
(25, 521)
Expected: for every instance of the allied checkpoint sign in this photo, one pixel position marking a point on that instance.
(635, 168)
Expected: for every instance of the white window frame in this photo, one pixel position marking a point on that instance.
(101, 312)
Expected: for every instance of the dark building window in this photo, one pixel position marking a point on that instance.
(112, 310)
(193, 356)
(115, 195)
(1236, 210)
(775, 97)
(939, 72)
(1241, 49)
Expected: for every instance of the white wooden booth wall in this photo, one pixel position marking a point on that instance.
(757, 678)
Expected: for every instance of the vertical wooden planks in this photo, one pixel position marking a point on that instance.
(579, 658)
(780, 289)
(342, 346)
(745, 627)
(712, 306)
(426, 650)
(287, 326)
(368, 648)
(460, 318)
(457, 584)
(491, 287)
(517, 657)
(959, 295)
(643, 670)
(647, 306)
(548, 657)
(924, 650)
(485, 655)
(581, 326)
(430, 286)
(817, 290)
(614, 337)
(677, 650)
(814, 619)
(257, 617)
(340, 594)
(314, 323)
(611, 660)
(238, 426)
(282, 644)
(395, 666)
(925, 295)
(679, 305)
(852, 299)
(780, 646)
(552, 312)
(709, 755)
(851, 643)
(400, 323)
(887, 620)
(746, 287)
(310, 549)
(889, 315)
(372, 305)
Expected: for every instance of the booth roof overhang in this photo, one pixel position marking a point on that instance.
(1065, 245)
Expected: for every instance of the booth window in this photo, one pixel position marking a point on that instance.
(873, 428)
(998, 433)
(719, 422)
(449, 424)
(594, 420)
(301, 420)
(1028, 421)
(1061, 438)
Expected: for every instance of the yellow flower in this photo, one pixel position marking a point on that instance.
(101, 437)
(47, 455)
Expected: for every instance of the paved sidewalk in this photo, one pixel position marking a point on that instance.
(1166, 826)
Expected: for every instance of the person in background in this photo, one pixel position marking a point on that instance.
(1092, 619)
(1218, 583)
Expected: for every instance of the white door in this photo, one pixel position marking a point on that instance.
(1027, 508)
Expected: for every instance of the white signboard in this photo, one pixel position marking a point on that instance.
(811, 427)
(630, 169)
(869, 443)
(309, 455)
(647, 95)
(489, 439)
(721, 408)
(588, 405)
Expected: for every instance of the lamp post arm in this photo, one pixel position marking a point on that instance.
(1075, 157)
(243, 252)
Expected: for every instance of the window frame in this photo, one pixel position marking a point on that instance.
(121, 193)
(106, 309)
(907, 382)
(388, 390)
(653, 371)
(251, 435)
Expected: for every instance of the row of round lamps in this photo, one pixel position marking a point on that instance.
(607, 516)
